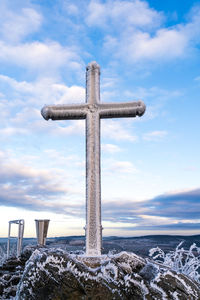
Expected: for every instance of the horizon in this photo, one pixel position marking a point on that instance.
(150, 166)
(109, 236)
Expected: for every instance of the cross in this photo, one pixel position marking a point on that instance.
(93, 110)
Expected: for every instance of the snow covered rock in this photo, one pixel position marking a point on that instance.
(56, 274)
(10, 274)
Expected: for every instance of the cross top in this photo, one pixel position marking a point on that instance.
(93, 110)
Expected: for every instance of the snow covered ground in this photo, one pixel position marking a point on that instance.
(120, 272)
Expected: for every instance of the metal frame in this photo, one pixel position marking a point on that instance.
(19, 237)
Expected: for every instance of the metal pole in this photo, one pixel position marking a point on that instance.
(8, 244)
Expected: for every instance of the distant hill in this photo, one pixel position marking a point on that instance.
(138, 245)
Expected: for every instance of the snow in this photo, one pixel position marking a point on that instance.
(175, 296)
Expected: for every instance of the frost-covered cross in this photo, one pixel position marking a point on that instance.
(93, 110)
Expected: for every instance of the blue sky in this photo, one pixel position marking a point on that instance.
(147, 50)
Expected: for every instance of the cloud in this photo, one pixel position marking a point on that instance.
(9, 131)
(16, 26)
(20, 48)
(110, 148)
(29, 98)
(136, 44)
(176, 226)
(124, 13)
(71, 8)
(116, 130)
(154, 135)
(42, 91)
(156, 220)
(182, 205)
(176, 210)
(20, 109)
(4, 110)
(144, 46)
(74, 128)
(60, 158)
(121, 167)
(38, 56)
(39, 189)
(34, 188)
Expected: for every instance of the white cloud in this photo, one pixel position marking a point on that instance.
(136, 45)
(22, 185)
(45, 91)
(116, 130)
(155, 220)
(74, 128)
(110, 148)
(154, 135)
(4, 110)
(60, 158)
(123, 13)
(17, 25)
(20, 110)
(24, 86)
(25, 124)
(71, 9)
(73, 94)
(38, 56)
(9, 131)
(29, 98)
(142, 45)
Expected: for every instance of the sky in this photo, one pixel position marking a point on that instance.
(150, 166)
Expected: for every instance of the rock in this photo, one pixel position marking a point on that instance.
(11, 272)
(149, 271)
(56, 274)
(10, 276)
(44, 274)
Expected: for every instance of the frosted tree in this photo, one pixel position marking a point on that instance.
(182, 261)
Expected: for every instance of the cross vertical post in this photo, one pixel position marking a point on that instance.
(93, 173)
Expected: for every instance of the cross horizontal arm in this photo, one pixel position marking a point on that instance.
(121, 110)
(64, 112)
